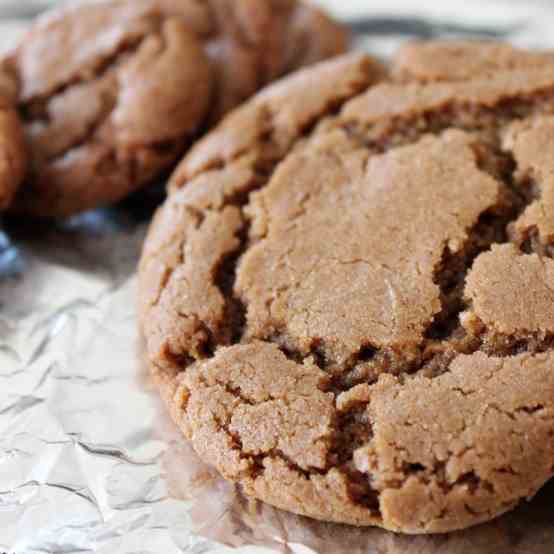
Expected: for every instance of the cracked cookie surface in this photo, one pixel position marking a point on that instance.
(346, 297)
(13, 155)
(112, 92)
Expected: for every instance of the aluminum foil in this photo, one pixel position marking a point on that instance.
(89, 461)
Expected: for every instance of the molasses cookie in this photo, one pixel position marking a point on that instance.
(347, 296)
(12, 144)
(112, 92)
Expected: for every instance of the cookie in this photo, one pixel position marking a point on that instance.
(444, 60)
(12, 144)
(347, 296)
(112, 92)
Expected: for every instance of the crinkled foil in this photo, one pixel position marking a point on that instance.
(89, 461)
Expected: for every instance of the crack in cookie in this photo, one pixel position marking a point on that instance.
(363, 234)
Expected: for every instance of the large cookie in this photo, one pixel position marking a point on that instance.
(347, 296)
(12, 144)
(112, 92)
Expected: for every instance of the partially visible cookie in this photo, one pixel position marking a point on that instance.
(12, 144)
(444, 60)
(347, 296)
(112, 92)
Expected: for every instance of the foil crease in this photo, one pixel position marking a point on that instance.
(89, 461)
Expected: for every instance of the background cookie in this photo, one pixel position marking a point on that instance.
(112, 92)
(444, 60)
(347, 296)
(12, 144)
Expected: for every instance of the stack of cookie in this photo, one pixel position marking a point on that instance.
(347, 294)
(113, 92)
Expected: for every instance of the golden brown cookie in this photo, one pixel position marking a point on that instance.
(13, 159)
(451, 60)
(112, 92)
(347, 296)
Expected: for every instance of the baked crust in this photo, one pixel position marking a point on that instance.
(13, 154)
